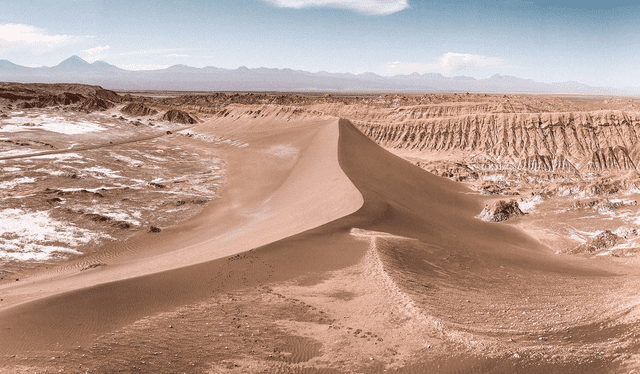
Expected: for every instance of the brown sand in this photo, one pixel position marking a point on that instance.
(272, 195)
(299, 199)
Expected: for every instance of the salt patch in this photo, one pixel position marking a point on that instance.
(625, 232)
(53, 124)
(582, 236)
(115, 215)
(16, 152)
(59, 156)
(88, 189)
(529, 204)
(98, 172)
(36, 236)
(34, 252)
(14, 182)
(624, 201)
(493, 178)
(128, 160)
(151, 157)
(56, 173)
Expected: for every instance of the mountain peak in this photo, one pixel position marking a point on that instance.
(73, 62)
(7, 63)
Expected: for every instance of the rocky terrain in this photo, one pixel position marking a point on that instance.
(81, 171)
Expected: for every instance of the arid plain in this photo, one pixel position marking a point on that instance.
(317, 233)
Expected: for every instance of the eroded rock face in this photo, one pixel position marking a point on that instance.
(602, 205)
(138, 110)
(588, 141)
(500, 210)
(178, 116)
(92, 104)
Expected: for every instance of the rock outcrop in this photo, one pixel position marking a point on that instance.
(95, 103)
(604, 240)
(178, 116)
(138, 110)
(500, 210)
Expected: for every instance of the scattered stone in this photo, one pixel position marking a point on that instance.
(154, 229)
(92, 266)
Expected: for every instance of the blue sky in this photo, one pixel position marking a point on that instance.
(592, 42)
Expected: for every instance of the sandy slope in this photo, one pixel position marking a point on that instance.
(298, 201)
(283, 184)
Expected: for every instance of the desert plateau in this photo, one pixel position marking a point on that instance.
(283, 232)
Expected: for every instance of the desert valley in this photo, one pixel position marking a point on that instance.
(204, 232)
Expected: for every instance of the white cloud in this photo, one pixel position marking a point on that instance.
(454, 62)
(21, 35)
(97, 50)
(143, 67)
(96, 53)
(449, 63)
(176, 55)
(379, 7)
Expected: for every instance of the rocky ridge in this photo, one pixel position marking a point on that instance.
(79, 96)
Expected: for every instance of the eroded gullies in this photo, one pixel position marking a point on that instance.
(58, 206)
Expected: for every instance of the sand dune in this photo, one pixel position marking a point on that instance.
(295, 195)
(286, 184)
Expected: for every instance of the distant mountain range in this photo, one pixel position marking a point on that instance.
(186, 78)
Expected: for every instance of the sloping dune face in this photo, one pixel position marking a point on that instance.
(317, 203)
(488, 285)
(286, 182)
